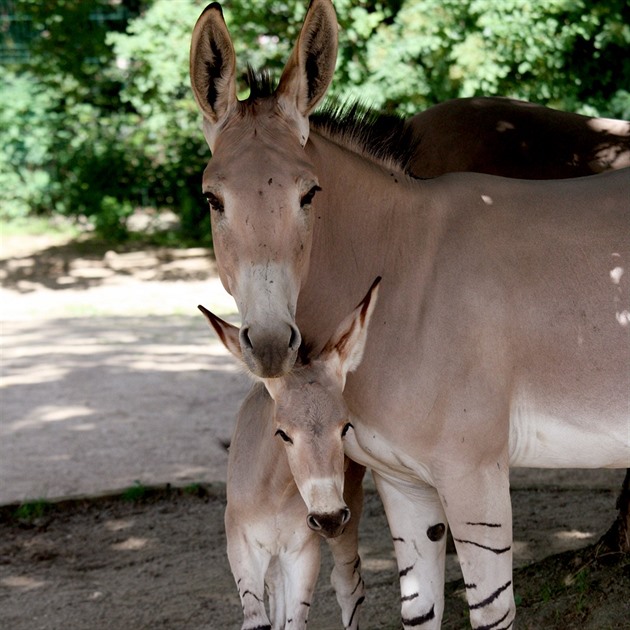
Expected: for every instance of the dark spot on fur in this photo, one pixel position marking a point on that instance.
(436, 532)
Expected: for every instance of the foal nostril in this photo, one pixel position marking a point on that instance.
(246, 342)
(313, 523)
(345, 516)
(295, 339)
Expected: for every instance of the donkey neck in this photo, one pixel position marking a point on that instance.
(367, 218)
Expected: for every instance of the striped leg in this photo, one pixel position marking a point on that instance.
(300, 568)
(418, 527)
(480, 515)
(346, 574)
(249, 563)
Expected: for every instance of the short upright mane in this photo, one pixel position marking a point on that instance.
(384, 138)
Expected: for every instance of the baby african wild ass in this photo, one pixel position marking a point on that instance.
(501, 335)
(284, 496)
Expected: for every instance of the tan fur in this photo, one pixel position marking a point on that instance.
(501, 335)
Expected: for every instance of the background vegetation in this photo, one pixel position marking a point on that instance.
(97, 117)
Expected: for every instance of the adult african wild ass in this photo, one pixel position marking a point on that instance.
(512, 138)
(500, 337)
(283, 495)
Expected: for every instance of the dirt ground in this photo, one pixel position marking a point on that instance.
(112, 381)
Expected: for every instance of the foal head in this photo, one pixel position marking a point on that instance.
(260, 182)
(311, 417)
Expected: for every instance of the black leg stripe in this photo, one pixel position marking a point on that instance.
(493, 549)
(398, 539)
(354, 610)
(258, 599)
(265, 627)
(493, 626)
(359, 582)
(422, 619)
(408, 598)
(404, 571)
(485, 524)
(492, 597)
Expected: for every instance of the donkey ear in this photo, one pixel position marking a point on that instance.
(228, 334)
(344, 351)
(310, 68)
(213, 67)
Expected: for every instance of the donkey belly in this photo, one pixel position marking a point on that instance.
(568, 438)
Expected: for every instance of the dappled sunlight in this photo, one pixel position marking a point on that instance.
(38, 374)
(48, 413)
(132, 544)
(610, 125)
(117, 525)
(87, 402)
(377, 564)
(21, 582)
(573, 534)
(191, 473)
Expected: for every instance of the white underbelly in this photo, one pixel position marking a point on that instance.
(574, 439)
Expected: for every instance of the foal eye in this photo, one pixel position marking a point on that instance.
(284, 436)
(308, 197)
(349, 425)
(215, 203)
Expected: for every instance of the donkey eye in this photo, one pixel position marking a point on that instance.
(349, 425)
(215, 203)
(308, 197)
(284, 436)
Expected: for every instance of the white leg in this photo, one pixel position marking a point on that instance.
(478, 507)
(249, 563)
(346, 574)
(300, 568)
(418, 526)
(274, 582)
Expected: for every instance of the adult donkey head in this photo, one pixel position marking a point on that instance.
(260, 183)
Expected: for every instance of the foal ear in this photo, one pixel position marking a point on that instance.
(213, 68)
(310, 68)
(228, 334)
(344, 351)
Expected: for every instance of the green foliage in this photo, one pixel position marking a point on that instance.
(135, 493)
(31, 511)
(100, 119)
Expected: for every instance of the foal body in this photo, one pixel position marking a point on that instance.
(289, 484)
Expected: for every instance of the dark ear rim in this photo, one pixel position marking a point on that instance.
(348, 341)
(212, 64)
(311, 66)
(228, 333)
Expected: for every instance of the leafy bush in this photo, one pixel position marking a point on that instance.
(101, 119)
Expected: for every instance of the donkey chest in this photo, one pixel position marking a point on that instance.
(376, 450)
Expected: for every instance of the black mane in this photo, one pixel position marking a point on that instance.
(383, 137)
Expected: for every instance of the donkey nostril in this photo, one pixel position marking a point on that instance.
(295, 339)
(246, 342)
(313, 523)
(345, 516)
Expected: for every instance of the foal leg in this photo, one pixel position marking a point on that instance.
(346, 574)
(274, 583)
(249, 562)
(418, 527)
(477, 503)
(300, 569)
